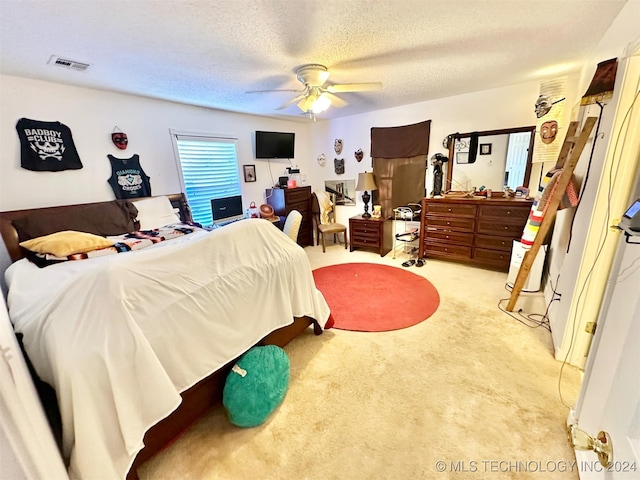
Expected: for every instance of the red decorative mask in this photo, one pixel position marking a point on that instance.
(120, 140)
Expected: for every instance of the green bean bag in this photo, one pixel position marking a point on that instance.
(256, 385)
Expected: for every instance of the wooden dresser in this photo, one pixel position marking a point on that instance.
(475, 231)
(373, 233)
(283, 200)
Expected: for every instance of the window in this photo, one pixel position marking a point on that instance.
(209, 169)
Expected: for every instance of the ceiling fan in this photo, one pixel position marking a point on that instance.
(317, 96)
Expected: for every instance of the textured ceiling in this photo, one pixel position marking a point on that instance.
(212, 52)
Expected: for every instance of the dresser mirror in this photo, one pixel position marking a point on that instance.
(495, 159)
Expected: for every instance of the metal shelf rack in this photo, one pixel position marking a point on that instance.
(406, 236)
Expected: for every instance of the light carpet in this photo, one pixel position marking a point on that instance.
(470, 388)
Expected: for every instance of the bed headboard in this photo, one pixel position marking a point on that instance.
(10, 234)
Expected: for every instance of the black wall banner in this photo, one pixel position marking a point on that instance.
(46, 146)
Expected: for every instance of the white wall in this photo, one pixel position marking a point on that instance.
(92, 115)
(498, 108)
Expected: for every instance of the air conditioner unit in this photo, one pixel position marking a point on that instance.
(534, 279)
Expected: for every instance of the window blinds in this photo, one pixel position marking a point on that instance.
(209, 170)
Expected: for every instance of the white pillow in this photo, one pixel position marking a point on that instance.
(155, 212)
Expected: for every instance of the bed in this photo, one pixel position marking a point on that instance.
(137, 345)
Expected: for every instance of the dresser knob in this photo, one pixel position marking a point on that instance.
(449, 209)
(506, 228)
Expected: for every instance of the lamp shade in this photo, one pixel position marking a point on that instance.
(366, 181)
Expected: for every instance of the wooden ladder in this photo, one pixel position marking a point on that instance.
(572, 146)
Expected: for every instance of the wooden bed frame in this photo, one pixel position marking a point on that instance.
(197, 399)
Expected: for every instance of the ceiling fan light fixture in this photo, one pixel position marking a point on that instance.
(321, 104)
(306, 103)
(312, 74)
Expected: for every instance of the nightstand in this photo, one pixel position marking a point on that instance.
(373, 233)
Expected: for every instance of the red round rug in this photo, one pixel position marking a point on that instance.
(368, 297)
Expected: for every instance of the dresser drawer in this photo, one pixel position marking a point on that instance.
(365, 241)
(361, 231)
(451, 209)
(498, 227)
(494, 258)
(505, 213)
(300, 206)
(298, 195)
(495, 243)
(448, 250)
(450, 223)
(438, 236)
(366, 226)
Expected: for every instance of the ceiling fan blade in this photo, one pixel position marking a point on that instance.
(265, 91)
(291, 102)
(336, 101)
(355, 87)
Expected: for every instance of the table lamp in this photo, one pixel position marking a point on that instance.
(366, 182)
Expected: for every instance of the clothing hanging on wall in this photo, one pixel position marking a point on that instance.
(46, 146)
(128, 180)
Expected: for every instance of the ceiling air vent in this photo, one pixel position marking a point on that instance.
(65, 62)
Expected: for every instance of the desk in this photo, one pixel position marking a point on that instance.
(277, 221)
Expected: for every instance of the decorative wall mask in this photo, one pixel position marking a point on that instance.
(322, 160)
(337, 146)
(338, 165)
(358, 154)
(543, 105)
(548, 131)
(119, 138)
(550, 112)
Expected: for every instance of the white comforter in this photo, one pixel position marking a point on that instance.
(120, 337)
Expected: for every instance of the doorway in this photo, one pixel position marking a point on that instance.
(517, 156)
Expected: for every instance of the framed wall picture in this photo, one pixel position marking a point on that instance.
(344, 191)
(249, 173)
(485, 149)
(462, 157)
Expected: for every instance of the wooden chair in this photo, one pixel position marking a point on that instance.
(329, 227)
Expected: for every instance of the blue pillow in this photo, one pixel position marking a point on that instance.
(256, 385)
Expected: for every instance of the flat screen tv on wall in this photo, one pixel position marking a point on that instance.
(275, 144)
